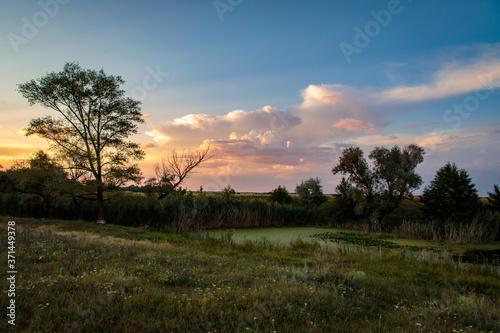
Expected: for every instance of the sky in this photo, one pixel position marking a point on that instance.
(276, 88)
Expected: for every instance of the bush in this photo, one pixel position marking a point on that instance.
(310, 192)
(280, 195)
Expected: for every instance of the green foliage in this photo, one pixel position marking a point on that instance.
(484, 227)
(450, 195)
(344, 202)
(494, 198)
(38, 175)
(228, 192)
(310, 192)
(379, 190)
(177, 212)
(280, 195)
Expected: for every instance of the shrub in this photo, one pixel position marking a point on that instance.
(280, 195)
(310, 192)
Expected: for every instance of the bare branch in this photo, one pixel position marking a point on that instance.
(173, 171)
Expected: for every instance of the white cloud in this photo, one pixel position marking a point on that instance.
(453, 79)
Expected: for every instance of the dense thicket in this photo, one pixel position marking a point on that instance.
(176, 212)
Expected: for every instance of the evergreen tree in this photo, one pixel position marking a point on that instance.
(494, 197)
(450, 195)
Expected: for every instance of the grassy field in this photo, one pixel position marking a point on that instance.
(83, 277)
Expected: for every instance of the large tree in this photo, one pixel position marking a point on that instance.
(379, 190)
(450, 195)
(95, 122)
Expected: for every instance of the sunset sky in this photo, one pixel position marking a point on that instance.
(277, 88)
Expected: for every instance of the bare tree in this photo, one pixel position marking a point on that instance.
(172, 171)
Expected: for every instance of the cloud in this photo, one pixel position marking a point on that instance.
(327, 94)
(453, 79)
(422, 125)
(145, 117)
(148, 145)
(191, 130)
(306, 140)
(355, 125)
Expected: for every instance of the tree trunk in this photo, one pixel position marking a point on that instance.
(101, 218)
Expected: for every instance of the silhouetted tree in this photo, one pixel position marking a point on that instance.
(379, 190)
(450, 195)
(228, 192)
(310, 192)
(345, 206)
(280, 195)
(173, 171)
(39, 175)
(494, 197)
(96, 120)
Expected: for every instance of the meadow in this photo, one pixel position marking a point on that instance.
(76, 276)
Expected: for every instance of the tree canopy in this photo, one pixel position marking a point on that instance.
(38, 175)
(310, 192)
(379, 189)
(95, 122)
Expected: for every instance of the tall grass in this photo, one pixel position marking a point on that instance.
(175, 212)
(483, 228)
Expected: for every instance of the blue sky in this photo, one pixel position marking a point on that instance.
(268, 84)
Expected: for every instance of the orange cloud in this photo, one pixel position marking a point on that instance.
(355, 125)
(145, 116)
(148, 145)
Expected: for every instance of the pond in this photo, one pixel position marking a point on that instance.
(281, 236)
(478, 253)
